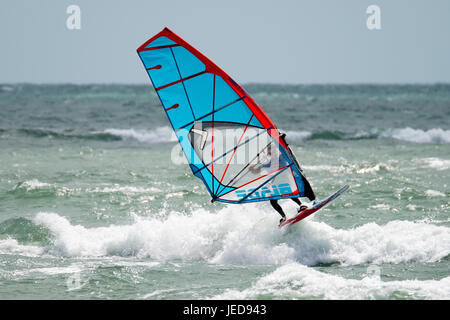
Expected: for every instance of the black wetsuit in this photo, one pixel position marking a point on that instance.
(277, 207)
(309, 193)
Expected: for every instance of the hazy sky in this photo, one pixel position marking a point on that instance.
(314, 41)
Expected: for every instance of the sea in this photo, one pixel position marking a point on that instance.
(93, 207)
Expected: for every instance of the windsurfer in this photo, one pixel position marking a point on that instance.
(271, 161)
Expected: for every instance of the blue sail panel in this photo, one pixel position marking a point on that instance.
(159, 42)
(187, 63)
(161, 66)
(201, 94)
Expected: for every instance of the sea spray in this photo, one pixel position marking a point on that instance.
(295, 281)
(227, 237)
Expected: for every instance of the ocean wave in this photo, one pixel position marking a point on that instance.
(35, 188)
(54, 134)
(434, 193)
(360, 168)
(164, 134)
(30, 185)
(295, 281)
(228, 237)
(433, 136)
(436, 163)
(24, 231)
(7, 88)
(158, 135)
(127, 190)
(436, 136)
(298, 136)
(12, 246)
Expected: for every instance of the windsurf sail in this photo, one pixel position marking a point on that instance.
(229, 141)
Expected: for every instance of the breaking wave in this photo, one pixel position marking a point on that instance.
(157, 135)
(295, 281)
(228, 237)
(437, 136)
(161, 134)
(165, 134)
(433, 136)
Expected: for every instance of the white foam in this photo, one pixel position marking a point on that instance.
(11, 246)
(374, 169)
(380, 206)
(32, 184)
(324, 167)
(350, 168)
(7, 88)
(436, 135)
(436, 163)
(157, 293)
(124, 189)
(365, 134)
(434, 193)
(295, 281)
(75, 268)
(146, 264)
(297, 136)
(158, 135)
(248, 235)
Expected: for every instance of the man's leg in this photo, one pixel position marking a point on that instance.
(277, 207)
(297, 201)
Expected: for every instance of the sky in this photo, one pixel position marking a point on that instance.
(284, 41)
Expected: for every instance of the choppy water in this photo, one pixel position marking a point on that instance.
(92, 207)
